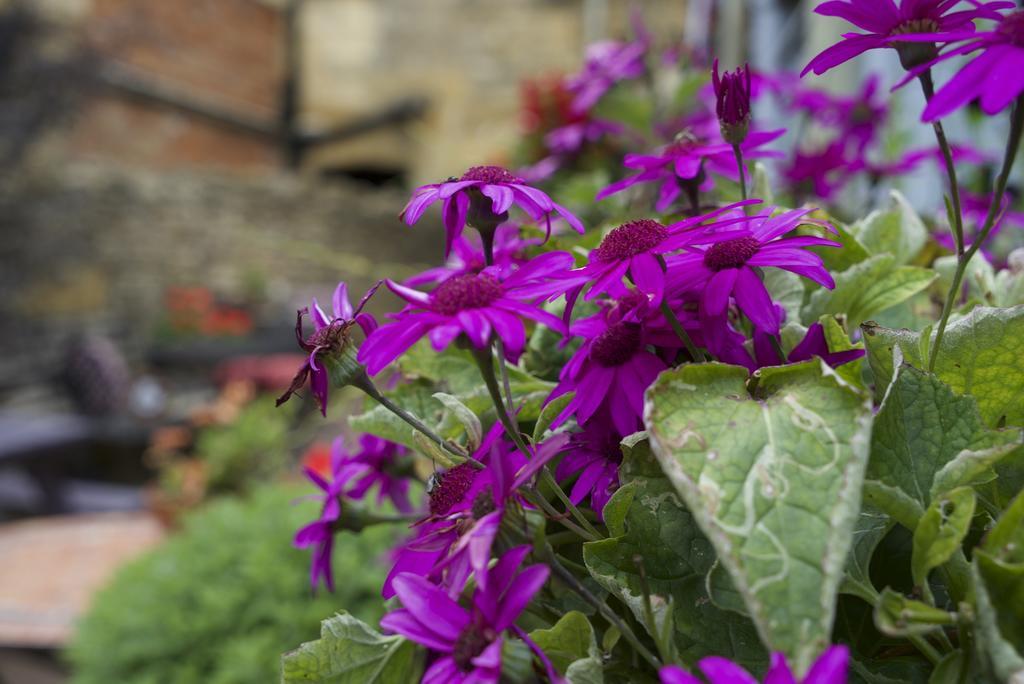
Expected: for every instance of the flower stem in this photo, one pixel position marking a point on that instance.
(947, 155)
(1012, 143)
(570, 580)
(485, 362)
(487, 240)
(366, 385)
(664, 647)
(695, 353)
(739, 163)
(777, 346)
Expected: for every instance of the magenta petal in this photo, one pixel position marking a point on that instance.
(843, 51)
(723, 671)
(428, 604)
(501, 197)
(967, 84)
(519, 594)
(673, 674)
(779, 672)
(754, 300)
(402, 622)
(443, 671)
(717, 291)
(830, 668)
(421, 199)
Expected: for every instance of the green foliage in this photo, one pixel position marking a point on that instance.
(219, 601)
(646, 518)
(251, 450)
(350, 652)
(572, 648)
(868, 288)
(796, 464)
(895, 230)
(981, 356)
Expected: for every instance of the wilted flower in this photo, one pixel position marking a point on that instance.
(468, 640)
(484, 194)
(732, 102)
(329, 344)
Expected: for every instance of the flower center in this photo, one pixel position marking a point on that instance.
(469, 645)
(483, 504)
(1012, 26)
(468, 291)
(731, 253)
(450, 487)
(490, 175)
(630, 239)
(329, 336)
(925, 25)
(616, 345)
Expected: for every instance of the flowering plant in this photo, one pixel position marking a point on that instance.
(708, 434)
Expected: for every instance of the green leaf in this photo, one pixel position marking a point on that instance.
(867, 288)
(773, 482)
(948, 669)
(572, 648)
(838, 259)
(786, 290)
(981, 356)
(645, 518)
(1001, 657)
(1000, 564)
(761, 187)
(415, 397)
(838, 340)
(871, 526)
(940, 532)
(349, 651)
(979, 278)
(895, 230)
(927, 440)
(549, 413)
(468, 419)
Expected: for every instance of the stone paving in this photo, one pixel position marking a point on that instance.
(51, 567)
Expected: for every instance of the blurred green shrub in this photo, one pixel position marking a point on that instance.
(216, 602)
(252, 449)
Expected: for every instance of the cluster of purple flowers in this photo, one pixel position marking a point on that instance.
(676, 285)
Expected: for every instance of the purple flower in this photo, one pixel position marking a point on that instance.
(822, 172)
(610, 371)
(471, 193)
(606, 63)
(320, 532)
(467, 507)
(888, 25)
(732, 102)
(830, 668)
(467, 640)
(594, 456)
(857, 118)
(632, 250)
(329, 339)
(376, 463)
(722, 264)
(993, 77)
(474, 305)
(813, 344)
(686, 160)
(570, 138)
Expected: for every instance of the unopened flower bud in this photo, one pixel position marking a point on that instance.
(732, 95)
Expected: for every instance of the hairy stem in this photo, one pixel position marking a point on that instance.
(366, 385)
(570, 580)
(738, 153)
(1012, 143)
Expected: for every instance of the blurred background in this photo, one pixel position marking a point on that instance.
(176, 179)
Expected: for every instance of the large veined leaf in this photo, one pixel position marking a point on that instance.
(868, 288)
(773, 481)
(981, 356)
(351, 652)
(646, 519)
(927, 440)
(871, 526)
